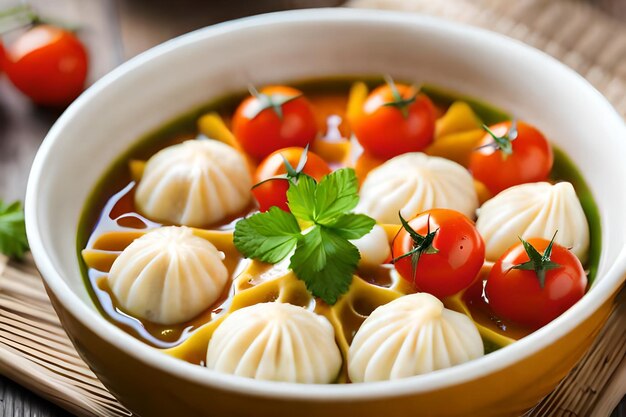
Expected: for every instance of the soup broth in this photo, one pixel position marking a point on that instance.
(111, 221)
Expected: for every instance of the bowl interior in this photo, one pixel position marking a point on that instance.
(189, 71)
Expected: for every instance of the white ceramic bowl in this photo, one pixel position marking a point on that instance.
(178, 75)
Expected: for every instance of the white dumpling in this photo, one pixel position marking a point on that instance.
(534, 210)
(168, 275)
(409, 336)
(194, 183)
(413, 183)
(373, 247)
(276, 342)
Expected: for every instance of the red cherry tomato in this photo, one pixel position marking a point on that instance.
(274, 192)
(387, 127)
(48, 64)
(1, 57)
(262, 128)
(459, 257)
(530, 159)
(517, 294)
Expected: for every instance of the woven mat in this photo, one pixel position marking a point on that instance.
(35, 351)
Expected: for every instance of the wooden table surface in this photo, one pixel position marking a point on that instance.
(115, 30)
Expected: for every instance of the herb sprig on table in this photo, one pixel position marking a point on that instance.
(13, 241)
(317, 231)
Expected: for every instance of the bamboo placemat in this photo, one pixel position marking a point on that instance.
(35, 351)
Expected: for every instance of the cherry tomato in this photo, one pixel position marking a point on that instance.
(48, 64)
(530, 158)
(274, 192)
(276, 118)
(1, 57)
(518, 295)
(453, 259)
(394, 121)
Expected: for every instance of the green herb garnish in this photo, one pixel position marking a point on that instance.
(269, 236)
(323, 257)
(13, 241)
(538, 262)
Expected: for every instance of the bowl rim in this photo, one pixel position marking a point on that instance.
(459, 374)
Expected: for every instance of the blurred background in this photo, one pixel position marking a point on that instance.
(111, 32)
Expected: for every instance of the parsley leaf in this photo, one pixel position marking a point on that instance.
(325, 262)
(324, 258)
(336, 194)
(322, 203)
(13, 241)
(352, 226)
(268, 237)
(301, 198)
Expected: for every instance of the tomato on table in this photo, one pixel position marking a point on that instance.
(1, 57)
(510, 154)
(439, 251)
(534, 282)
(396, 119)
(273, 175)
(274, 118)
(48, 64)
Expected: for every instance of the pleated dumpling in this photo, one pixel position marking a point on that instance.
(168, 275)
(534, 210)
(413, 183)
(276, 342)
(194, 183)
(409, 336)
